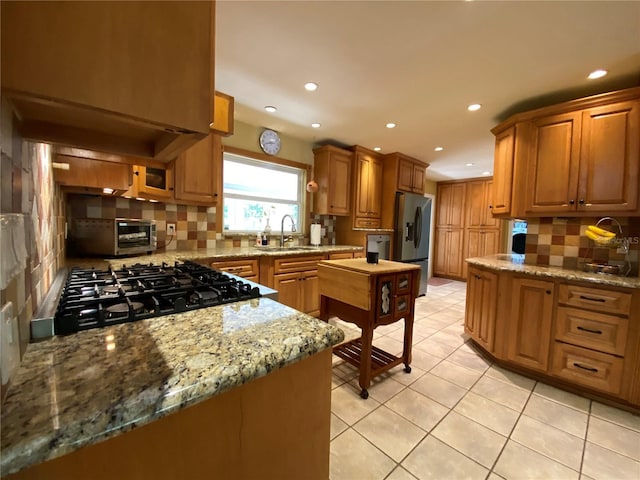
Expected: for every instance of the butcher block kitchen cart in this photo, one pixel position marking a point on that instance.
(369, 295)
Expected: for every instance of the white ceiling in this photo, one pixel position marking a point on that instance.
(418, 64)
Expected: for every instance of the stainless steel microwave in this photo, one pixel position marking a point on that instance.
(112, 237)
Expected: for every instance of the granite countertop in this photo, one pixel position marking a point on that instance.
(172, 256)
(76, 390)
(515, 263)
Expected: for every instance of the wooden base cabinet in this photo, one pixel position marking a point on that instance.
(529, 325)
(296, 279)
(575, 335)
(449, 243)
(480, 315)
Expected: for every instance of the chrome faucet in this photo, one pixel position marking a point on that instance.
(293, 228)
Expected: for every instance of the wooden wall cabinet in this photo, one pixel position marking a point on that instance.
(578, 158)
(198, 172)
(92, 175)
(529, 328)
(403, 173)
(482, 304)
(126, 103)
(368, 189)
(332, 172)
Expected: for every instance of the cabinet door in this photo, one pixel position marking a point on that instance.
(84, 172)
(480, 318)
(490, 242)
(503, 172)
(310, 285)
(363, 168)
(198, 170)
(375, 187)
(288, 287)
(609, 159)
(489, 220)
(476, 208)
(449, 261)
(451, 205)
(418, 178)
(405, 175)
(529, 325)
(339, 184)
(155, 182)
(552, 176)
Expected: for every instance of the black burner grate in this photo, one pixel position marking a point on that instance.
(97, 298)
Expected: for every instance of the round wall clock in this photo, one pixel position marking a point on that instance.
(270, 142)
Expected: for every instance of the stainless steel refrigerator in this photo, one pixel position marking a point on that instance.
(412, 228)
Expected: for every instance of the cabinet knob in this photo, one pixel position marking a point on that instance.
(581, 201)
(548, 292)
(571, 202)
(490, 206)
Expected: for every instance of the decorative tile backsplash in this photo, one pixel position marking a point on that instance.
(195, 226)
(562, 242)
(35, 206)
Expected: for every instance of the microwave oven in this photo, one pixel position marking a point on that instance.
(112, 237)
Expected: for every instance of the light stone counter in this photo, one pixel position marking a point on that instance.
(515, 263)
(76, 390)
(171, 257)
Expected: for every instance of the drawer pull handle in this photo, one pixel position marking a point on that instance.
(597, 332)
(591, 299)
(594, 370)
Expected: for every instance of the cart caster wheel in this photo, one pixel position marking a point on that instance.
(407, 369)
(364, 394)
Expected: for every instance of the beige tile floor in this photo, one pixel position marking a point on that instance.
(458, 416)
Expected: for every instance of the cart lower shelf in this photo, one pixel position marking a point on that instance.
(381, 361)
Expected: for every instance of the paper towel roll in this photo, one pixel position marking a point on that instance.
(315, 234)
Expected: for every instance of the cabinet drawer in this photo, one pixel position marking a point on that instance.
(296, 264)
(340, 255)
(367, 223)
(608, 301)
(243, 268)
(595, 370)
(598, 331)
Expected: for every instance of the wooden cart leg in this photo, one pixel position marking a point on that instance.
(365, 361)
(408, 340)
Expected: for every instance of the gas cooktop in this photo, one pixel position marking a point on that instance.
(94, 298)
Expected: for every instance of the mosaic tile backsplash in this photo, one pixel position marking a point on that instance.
(35, 206)
(562, 242)
(195, 226)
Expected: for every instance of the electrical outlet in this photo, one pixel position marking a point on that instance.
(171, 228)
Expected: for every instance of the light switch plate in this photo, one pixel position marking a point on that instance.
(10, 342)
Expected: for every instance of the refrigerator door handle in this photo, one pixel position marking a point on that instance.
(418, 223)
(409, 232)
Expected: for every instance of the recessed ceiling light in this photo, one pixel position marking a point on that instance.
(377, 149)
(310, 86)
(438, 149)
(391, 125)
(315, 125)
(469, 164)
(597, 74)
(474, 107)
(270, 109)
(486, 173)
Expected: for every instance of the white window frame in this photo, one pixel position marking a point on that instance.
(249, 158)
